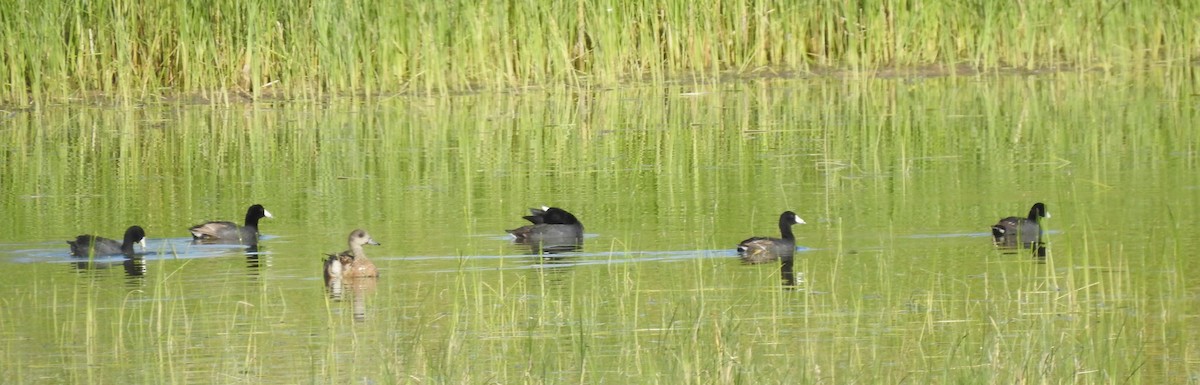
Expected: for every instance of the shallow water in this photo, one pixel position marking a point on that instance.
(898, 180)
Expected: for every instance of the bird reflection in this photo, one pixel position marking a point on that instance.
(253, 262)
(786, 271)
(551, 248)
(552, 272)
(358, 288)
(1036, 250)
(133, 265)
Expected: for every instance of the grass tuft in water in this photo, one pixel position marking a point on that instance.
(226, 50)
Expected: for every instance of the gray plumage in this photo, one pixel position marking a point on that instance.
(229, 232)
(1014, 232)
(91, 245)
(766, 249)
(549, 225)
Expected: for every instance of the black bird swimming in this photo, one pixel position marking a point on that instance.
(85, 245)
(1014, 232)
(765, 249)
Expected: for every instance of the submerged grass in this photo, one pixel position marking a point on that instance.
(226, 50)
(676, 169)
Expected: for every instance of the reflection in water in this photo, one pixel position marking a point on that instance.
(358, 287)
(549, 248)
(787, 273)
(553, 254)
(255, 254)
(252, 260)
(1036, 250)
(878, 159)
(551, 263)
(134, 266)
(249, 243)
(553, 270)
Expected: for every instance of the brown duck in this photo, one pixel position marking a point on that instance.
(352, 263)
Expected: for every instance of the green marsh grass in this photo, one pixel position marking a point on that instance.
(226, 51)
(898, 179)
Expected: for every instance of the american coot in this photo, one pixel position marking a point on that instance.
(229, 232)
(85, 245)
(764, 249)
(553, 228)
(352, 263)
(537, 216)
(1014, 232)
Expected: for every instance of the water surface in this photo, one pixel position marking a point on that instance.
(898, 180)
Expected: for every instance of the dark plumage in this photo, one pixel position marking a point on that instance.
(352, 263)
(764, 249)
(1014, 232)
(85, 245)
(551, 225)
(229, 232)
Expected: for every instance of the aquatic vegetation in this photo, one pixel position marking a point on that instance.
(223, 51)
(898, 179)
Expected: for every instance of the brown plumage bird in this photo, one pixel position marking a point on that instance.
(352, 263)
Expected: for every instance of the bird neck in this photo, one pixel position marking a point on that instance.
(785, 229)
(251, 220)
(358, 252)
